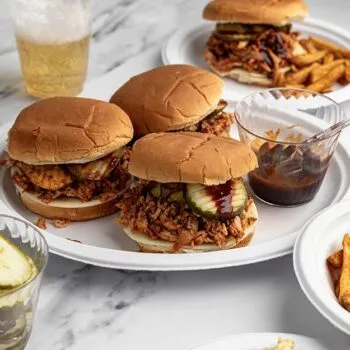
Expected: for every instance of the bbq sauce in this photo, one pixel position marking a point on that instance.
(222, 196)
(287, 175)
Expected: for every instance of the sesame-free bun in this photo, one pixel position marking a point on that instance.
(278, 12)
(169, 98)
(243, 76)
(68, 130)
(149, 245)
(190, 158)
(68, 208)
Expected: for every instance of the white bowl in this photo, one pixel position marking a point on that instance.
(321, 237)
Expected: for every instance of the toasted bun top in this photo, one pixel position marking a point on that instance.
(277, 12)
(68, 130)
(169, 97)
(190, 158)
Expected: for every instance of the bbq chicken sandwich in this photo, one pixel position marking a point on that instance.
(190, 196)
(68, 157)
(253, 40)
(175, 98)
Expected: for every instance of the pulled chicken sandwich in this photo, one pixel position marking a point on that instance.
(190, 196)
(253, 40)
(68, 157)
(175, 98)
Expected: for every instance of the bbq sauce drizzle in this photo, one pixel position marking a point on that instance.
(222, 196)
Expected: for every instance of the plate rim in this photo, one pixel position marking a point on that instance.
(305, 284)
(120, 259)
(340, 95)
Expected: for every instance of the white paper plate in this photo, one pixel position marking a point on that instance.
(259, 341)
(187, 45)
(106, 245)
(319, 239)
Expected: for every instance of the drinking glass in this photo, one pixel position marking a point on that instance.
(53, 44)
(275, 123)
(17, 307)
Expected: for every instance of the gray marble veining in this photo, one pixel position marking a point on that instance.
(83, 307)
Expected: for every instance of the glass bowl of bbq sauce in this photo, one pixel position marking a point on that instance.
(276, 123)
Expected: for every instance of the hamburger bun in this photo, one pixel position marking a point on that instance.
(190, 158)
(169, 98)
(149, 245)
(68, 130)
(66, 208)
(245, 77)
(256, 11)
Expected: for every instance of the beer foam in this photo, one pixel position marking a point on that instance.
(54, 21)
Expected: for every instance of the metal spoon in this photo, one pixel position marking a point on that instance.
(329, 132)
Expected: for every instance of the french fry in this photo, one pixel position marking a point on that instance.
(300, 76)
(328, 58)
(303, 43)
(344, 282)
(337, 288)
(335, 276)
(323, 44)
(280, 78)
(321, 70)
(336, 259)
(310, 47)
(347, 74)
(309, 58)
(327, 80)
(276, 65)
(294, 86)
(326, 90)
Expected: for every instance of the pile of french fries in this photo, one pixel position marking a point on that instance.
(339, 268)
(319, 69)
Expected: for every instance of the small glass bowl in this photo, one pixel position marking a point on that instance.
(275, 123)
(18, 306)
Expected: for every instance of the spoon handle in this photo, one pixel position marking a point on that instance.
(329, 132)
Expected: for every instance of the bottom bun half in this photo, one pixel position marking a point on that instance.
(149, 245)
(68, 208)
(245, 77)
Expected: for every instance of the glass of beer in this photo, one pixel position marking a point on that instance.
(53, 44)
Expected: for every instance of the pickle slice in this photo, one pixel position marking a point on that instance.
(239, 37)
(240, 28)
(16, 267)
(221, 201)
(156, 191)
(177, 197)
(201, 202)
(231, 28)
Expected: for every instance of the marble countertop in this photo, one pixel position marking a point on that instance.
(83, 307)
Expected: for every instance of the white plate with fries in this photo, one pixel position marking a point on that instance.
(102, 242)
(322, 263)
(187, 45)
(268, 341)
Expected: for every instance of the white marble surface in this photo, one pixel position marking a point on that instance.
(83, 307)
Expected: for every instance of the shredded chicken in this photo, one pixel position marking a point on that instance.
(104, 189)
(256, 55)
(160, 218)
(217, 124)
(41, 223)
